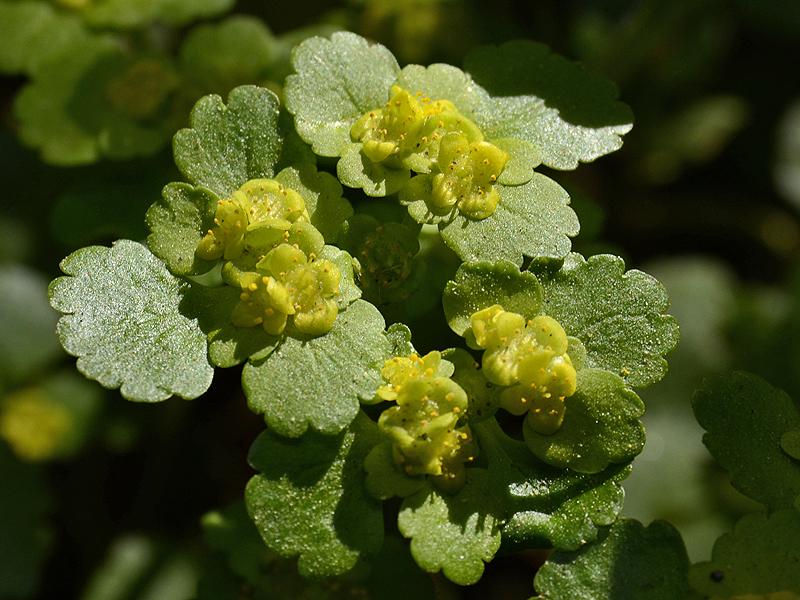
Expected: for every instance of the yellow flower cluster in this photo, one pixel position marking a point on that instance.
(424, 424)
(528, 358)
(264, 233)
(432, 137)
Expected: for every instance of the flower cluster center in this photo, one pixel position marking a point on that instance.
(529, 358)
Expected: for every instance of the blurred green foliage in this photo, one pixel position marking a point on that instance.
(705, 193)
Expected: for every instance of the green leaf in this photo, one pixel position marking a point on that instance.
(618, 316)
(541, 505)
(227, 145)
(399, 337)
(24, 532)
(123, 322)
(483, 398)
(454, 534)
(627, 561)
(232, 532)
(319, 382)
(27, 343)
(601, 426)
(760, 556)
(336, 81)
(571, 115)
(534, 219)
(323, 196)
(34, 33)
(65, 113)
(384, 480)
(309, 498)
(228, 345)
(480, 285)
(177, 223)
(745, 419)
(220, 56)
(134, 13)
(357, 171)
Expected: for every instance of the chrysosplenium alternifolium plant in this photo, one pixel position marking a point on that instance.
(522, 435)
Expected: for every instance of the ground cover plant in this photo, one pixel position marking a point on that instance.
(375, 266)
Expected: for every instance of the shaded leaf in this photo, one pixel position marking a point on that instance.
(337, 80)
(760, 556)
(318, 382)
(570, 114)
(27, 322)
(454, 534)
(229, 144)
(177, 223)
(123, 322)
(384, 480)
(745, 418)
(220, 56)
(32, 34)
(601, 426)
(541, 505)
(133, 13)
(627, 561)
(308, 499)
(619, 316)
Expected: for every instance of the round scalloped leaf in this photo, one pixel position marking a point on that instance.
(619, 316)
(337, 80)
(760, 556)
(319, 382)
(454, 534)
(356, 171)
(533, 219)
(384, 480)
(628, 560)
(220, 56)
(134, 13)
(123, 322)
(479, 285)
(745, 419)
(323, 197)
(541, 505)
(570, 114)
(601, 426)
(27, 322)
(309, 500)
(227, 145)
(177, 223)
(32, 34)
